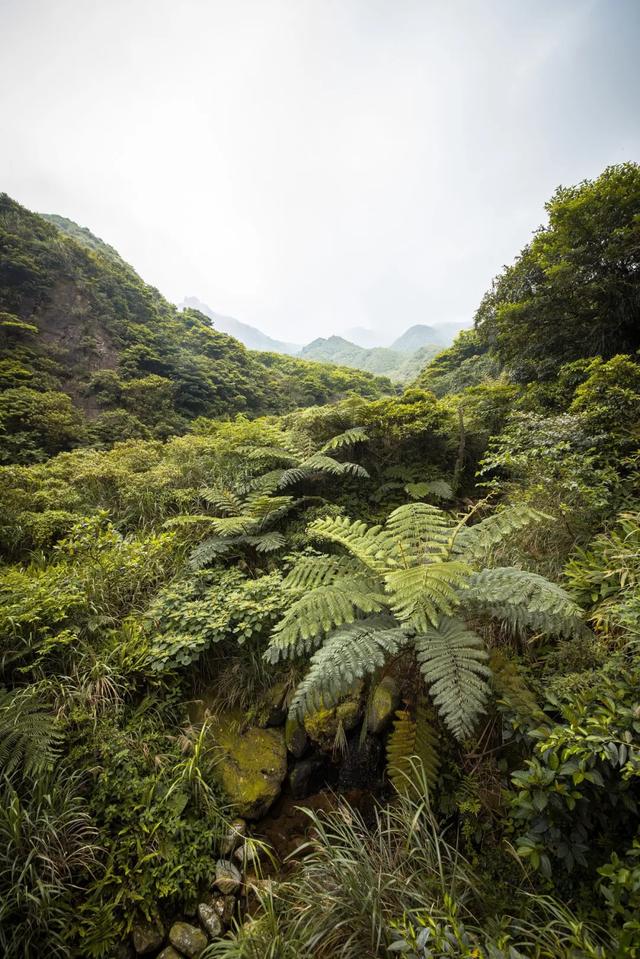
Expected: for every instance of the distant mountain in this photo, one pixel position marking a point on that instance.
(362, 336)
(252, 337)
(398, 365)
(416, 337)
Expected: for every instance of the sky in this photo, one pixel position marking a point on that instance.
(308, 166)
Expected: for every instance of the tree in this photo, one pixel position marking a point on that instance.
(574, 291)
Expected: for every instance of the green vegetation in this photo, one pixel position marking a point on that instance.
(224, 593)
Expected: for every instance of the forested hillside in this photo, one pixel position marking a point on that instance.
(90, 354)
(400, 365)
(414, 616)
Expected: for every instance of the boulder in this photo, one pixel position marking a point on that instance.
(170, 953)
(147, 935)
(295, 737)
(323, 724)
(228, 877)
(252, 764)
(187, 939)
(383, 705)
(247, 854)
(210, 921)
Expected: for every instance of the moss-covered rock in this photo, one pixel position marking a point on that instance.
(295, 737)
(252, 765)
(383, 704)
(147, 936)
(187, 939)
(322, 725)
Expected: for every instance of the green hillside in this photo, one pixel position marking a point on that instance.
(399, 365)
(90, 354)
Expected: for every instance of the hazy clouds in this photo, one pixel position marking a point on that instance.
(311, 166)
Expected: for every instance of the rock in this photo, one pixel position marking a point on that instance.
(147, 935)
(295, 737)
(237, 832)
(323, 724)
(210, 921)
(277, 713)
(247, 854)
(187, 939)
(228, 878)
(252, 765)
(382, 705)
(306, 776)
(170, 953)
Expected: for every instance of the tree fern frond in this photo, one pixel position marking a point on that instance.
(422, 594)
(260, 504)
(312, 571)
(294, 474)
(420, 530)
(347, 655)
(29, 738)
(266, 542)
(368, 544)
(322, 609)
(474, 542)
(413, 739)
(212, 548)
(523, 600)
(269, 453)
(232, 525)
(224, 500)
(453, 662)
(355, 435)
(439, 489)
(320, 462)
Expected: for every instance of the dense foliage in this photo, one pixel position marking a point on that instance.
(473, 543)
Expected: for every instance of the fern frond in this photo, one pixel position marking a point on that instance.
(210, 549)
(368, 544)
(266, 542)
(422, 594)
(320, 462)
(453, 662)
(439, 489)
(312, 571)
(419, 530)
(225, 501)
(293, 475)
(413, 739)
(29, 737)
(345, 656)
(523, 600)
(355, 435)
(232, 525)
(319, 611)
(260, 505)
(475, 542)
(268, 453)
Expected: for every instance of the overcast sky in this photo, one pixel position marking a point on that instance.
(312, 165)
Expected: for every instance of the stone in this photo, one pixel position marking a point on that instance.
(247, 854)
(295, 737)
(323, 724)
(170, 953)
(228, 877)
(210, 921)
(235, 835)
(306, 776)
(147, 935)
(187, 939)
(252, 764)
(383, 704)
(224, 906)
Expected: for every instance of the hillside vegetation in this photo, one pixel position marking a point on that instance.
(90, 354)
(399, 365)
(416, 616)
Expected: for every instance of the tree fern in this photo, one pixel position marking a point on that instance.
(356, 434)
(368, 544)
(312, 571)
(411, 739)
(417, 530)
(523, 600)
(347, 655)
(453, 662)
